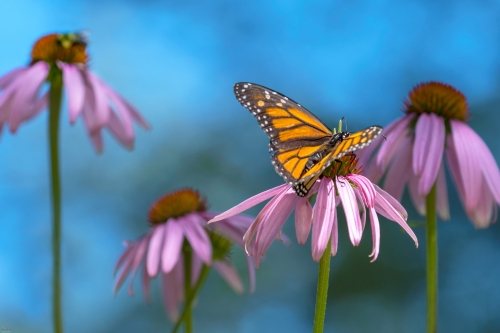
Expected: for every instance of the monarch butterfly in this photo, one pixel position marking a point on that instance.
(301, 145)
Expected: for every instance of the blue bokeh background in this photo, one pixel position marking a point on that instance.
(177, 62)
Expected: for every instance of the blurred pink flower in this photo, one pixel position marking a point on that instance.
(357, 195)
(434, 129)
(178, 219)
(23, 96)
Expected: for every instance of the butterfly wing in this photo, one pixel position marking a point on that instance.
(288, 124)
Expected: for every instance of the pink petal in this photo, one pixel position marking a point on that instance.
(100, 108)
(251, 274)
(248, 236)
(335, 231)
(139, 255)
(174, 238)
(231, 276)
(385, 208)
(416, 198)
(249, 203)
(428, 150)
(365, 187)
(399, 170)
(361, 203)
(154, 250)
(394, 133)
(11, 76)
(75, 88)
(125, 109)
(196, 266)
(393, 202)
(442, 195)
(481, 214)
(170, 290)
(26, 95)
(197, 237)
(116, 128)
(350, 205)
(453, 167)
(123, 257)
(303, 219)
(323, 216)
(126, 258)
(467, 156)
(39, 105)
(375, 234)
(146, 281)
(272, 223)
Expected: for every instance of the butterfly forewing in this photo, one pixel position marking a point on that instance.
(302, 146)
(288, 124)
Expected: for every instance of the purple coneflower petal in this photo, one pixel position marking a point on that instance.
(174, 237)
(481, 214)
(323, 216)
(75, 88)
(136, 261)
(251, 274)
(197, 237)
(350, 205)
(250, 202)
(399, 170)
(39, 105)
(394, 133)
(196, 266)
(154, 250)
(385, 208)
(272, 224)
(127, 261)
(170, 293)
(453, 167)
(442, 195)
(231, 276)
(25, 96)
(375, 233)
(365, 187)
(467, 156)
(11, 76)
(101, 109)
(393, 202)
(303, 219)
(124, 257)
(361, 205)
(335, 230)
(416, 198)
(146, 281)
(123, 110)
(116, 127)
(428, 150)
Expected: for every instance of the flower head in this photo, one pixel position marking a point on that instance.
(179, 229)
(434, 129)
(22, 96)
(340, 184)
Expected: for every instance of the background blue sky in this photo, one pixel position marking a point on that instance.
(177, 62)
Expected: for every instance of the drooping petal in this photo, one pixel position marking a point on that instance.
(335, 230)
(453, 167)
(428, 150)
(146, 282)
(197, 237)
(169, 288)
(399, 170)
(394, 133)
(416, 198)
(155, 249)
(361, 205)
(11, 76)
(467, 157)
(136, 261)
(101, 109)
(442, 195)
(251, 274)
(116, 128)
(123, 110)
(250, 202)
(385, 208)
(196, 266)
(174, 238)
(393, 202)
(303, 219)
(124, 256)
(75, 88)
(323, 216)
(125, 262)
(482, 213)
(248, 236)
(26, 95)
(365, 187)
(271, 225)
(231, 276)
(39, 105)
(350, 205)
(375, 233)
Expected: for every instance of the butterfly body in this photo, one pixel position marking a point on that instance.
(301, 145)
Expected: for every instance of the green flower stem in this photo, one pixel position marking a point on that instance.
(55, 95)
(322, 291)
(188, 320)
(432, 260)
(189, 300)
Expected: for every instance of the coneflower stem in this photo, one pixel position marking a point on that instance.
(54, 115)
(322, 290)
(188, 320)
(432, 260)
(189, 301)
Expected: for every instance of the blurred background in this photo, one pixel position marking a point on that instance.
(177, 63)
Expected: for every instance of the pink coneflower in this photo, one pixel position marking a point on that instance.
(344, 185)
(435, 126)
(22, 95)
(179, 234)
